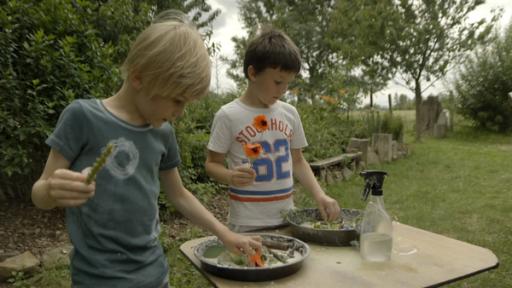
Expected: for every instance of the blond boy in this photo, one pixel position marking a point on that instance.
(113, 222)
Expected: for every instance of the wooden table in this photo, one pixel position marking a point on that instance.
(439, 260)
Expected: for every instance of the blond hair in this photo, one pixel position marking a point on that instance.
(170, 57)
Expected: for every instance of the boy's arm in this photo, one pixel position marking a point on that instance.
(59, 186)
(215, 168)
(328, 206)
(191, 208)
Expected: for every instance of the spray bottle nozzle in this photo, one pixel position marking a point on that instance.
(373, 181)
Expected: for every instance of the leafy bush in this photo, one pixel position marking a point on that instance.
(484, 84)
(373, 122)
(370, 123)
(193, 132)
(327, 130)
(393, 125)
(53, 51)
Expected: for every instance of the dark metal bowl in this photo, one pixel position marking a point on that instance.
(253, 274)
(330, 237)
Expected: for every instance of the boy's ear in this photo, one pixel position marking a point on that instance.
(135, 80)
(251, 72)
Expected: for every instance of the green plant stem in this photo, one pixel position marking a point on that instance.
(99, 163)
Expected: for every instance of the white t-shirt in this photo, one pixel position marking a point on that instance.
(262, 203)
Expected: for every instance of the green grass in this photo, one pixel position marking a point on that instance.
(458, 187)
(182, 273)
(55, 277)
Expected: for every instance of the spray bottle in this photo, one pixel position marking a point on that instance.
(376, 228)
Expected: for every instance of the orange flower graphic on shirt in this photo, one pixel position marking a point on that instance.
(253, 151)
(260, 122)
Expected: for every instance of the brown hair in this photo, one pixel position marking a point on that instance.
(272, 48)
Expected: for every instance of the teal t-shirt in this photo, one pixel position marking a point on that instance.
(115, 233)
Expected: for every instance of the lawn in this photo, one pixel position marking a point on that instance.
(457, 186)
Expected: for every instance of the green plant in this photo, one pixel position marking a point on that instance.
(370, 123)
(192, 133)
(483, 86)
(53, 52)
(393, 125)
(18, 280)
(327, 130)
(99, 163)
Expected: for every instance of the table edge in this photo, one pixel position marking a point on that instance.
(453, 280)
(204, 273)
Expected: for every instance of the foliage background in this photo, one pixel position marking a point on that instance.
(55, 51)
(484, 84)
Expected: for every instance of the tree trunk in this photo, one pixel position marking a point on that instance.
(390, 104)
(371, 97)
(417, 98)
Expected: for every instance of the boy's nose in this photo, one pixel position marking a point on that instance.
(179, 112)
(283, 90)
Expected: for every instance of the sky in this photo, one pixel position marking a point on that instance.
(228, 25)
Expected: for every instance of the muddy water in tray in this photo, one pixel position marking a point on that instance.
(271, 257)
(279, 257)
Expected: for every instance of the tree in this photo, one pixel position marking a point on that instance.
(434, 35)
(364, 32)
(307, 23)
(483, 85)
(199, 11)
(402, 102)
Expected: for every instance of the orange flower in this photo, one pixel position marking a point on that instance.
(253, 151)
(260, 122)
(255, 260)
(329, 99)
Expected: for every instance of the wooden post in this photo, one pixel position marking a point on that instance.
(359, 145)
(382, 144)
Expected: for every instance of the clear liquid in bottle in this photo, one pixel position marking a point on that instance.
(376, 247)
(376, 234)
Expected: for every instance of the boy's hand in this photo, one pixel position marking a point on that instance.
(68, 189)
(242, 176)
(329, 208)
(239, 243)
